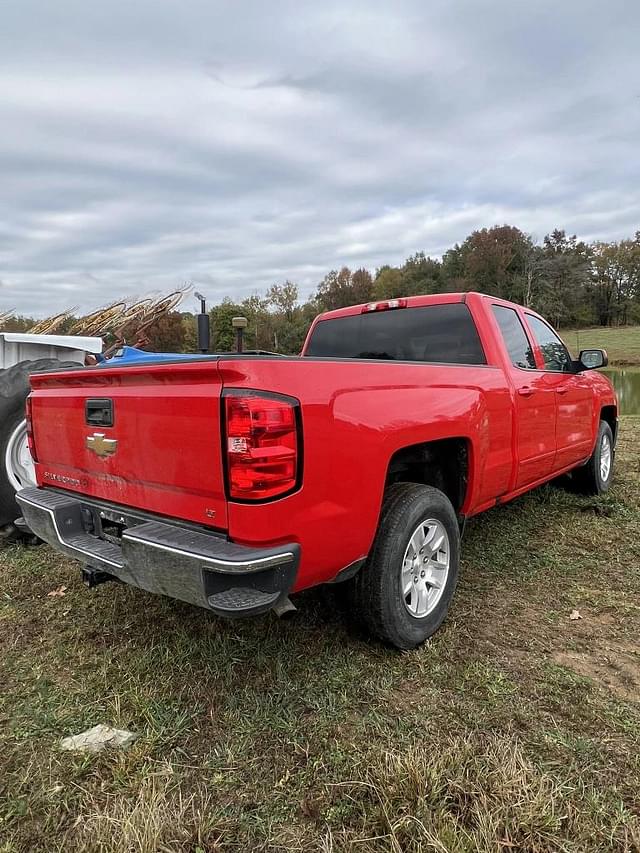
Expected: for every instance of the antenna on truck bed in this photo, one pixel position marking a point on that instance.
(239, 324)
(204, 330)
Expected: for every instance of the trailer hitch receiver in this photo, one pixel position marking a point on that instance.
(94, 577)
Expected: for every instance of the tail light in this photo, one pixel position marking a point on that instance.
(30, 439)
(263, 445)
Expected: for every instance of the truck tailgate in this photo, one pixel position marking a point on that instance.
(162, 452)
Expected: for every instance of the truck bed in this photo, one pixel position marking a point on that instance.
(170, 455)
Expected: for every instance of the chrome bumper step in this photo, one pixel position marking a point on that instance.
(199, 567)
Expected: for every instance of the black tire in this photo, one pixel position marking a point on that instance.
(377, 589)
(588, 479)
(14, 388)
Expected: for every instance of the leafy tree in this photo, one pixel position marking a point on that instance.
(166, 334)
(258, 333)
(418, 275)
(283, 298)
(563, 282)
(491, 260)
(362, 284)
(421, 275)
(190, 332)
(453, 269)
(223, 334)
(340, 289)
(389, 283)
(616, 280)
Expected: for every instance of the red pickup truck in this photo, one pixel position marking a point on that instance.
(230, 481)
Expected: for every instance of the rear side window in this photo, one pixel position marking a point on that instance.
(554, 352)
(445, 334)
(515, 338)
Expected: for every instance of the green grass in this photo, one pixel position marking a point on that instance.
(622, 344)
(514, 729)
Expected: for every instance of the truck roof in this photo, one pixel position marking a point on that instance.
(413, 302)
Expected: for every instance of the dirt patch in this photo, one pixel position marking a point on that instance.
(616, 668)
(591, 624)
(595, 646)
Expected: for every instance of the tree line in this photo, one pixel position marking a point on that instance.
(572, 283)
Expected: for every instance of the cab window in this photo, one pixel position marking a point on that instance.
(554, 352)
(444, 334)
(514, 337)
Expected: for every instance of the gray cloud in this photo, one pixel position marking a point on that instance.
(238, 144)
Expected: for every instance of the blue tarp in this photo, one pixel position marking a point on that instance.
(131, 355)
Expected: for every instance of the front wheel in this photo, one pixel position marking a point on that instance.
(404, 590)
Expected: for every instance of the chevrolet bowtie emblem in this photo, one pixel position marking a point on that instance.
(101, 445)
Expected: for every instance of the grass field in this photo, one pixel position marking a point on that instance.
(514, 729)
(622, 344)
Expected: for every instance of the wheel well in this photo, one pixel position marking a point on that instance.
(610, 415)
(443, 464)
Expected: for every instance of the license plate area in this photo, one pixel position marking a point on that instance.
(106, 524)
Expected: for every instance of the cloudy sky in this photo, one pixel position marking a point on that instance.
(237, 144)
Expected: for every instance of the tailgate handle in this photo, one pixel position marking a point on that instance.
(99, 412)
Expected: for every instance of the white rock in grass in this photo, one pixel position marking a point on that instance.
(97, 738)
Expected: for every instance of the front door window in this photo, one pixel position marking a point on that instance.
(554, 352)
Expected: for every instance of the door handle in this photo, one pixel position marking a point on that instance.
(562, 389)
(525, 391)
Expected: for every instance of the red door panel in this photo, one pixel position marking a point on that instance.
(573, 393)
(574, 425)
(535, 427)
(534, 401)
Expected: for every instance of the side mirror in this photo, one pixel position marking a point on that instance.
(592, 359)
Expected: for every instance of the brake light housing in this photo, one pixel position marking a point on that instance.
(263, 447)
(384, 305)
(28, 414)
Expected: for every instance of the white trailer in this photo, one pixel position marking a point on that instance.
(21, 355)
(17, 346)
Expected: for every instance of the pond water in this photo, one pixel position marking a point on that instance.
(626, 381)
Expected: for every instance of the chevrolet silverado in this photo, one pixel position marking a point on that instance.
(232, 480)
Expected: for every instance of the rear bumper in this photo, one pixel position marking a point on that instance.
(199, 567)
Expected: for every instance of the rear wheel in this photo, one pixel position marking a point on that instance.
(18, 462)
(16, 466)
(404, 590)
(595, 477)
